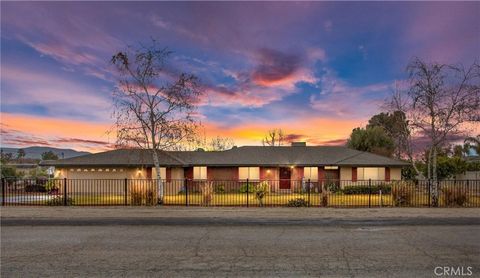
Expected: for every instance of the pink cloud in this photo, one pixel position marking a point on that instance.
(447, 26)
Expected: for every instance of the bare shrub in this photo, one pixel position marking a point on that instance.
(136, 197)
(207, 193)
(141, 194)
(150, 196)
(402, 194)
(454, 195)
(324, 199)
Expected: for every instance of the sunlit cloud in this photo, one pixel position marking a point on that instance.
(23, 130)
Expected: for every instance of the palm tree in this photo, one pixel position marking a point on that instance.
(473, 142)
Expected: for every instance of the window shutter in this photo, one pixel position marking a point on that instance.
(168, 174)
(354, 173)
(387, 173)
(321, 174)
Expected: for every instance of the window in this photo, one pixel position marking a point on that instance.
(163, 173)
(372, 173)
(200, 173)
(251, 173)
(310, 173)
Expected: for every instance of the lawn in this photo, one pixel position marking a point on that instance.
(275, 199)
(237, 199)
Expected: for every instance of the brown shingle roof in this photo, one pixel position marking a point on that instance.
(241, 156)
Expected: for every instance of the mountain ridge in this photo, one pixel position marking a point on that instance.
(35, 152)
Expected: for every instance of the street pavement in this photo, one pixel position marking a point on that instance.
(229, 243)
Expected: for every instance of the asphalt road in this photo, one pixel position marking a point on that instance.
(246, 249)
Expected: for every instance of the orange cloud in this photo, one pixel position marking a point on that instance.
(28, 130)
(315, 131)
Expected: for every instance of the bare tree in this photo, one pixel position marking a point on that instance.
(275, 137)
(153, 109)
(441, 99)
(214, 144)
(220, 144)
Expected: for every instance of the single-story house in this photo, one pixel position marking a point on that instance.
(287, 165)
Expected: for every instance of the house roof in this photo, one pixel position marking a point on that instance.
(241, 156)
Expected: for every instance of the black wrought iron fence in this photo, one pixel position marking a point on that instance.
(246, 193)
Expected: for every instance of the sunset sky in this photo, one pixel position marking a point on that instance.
(316, 70)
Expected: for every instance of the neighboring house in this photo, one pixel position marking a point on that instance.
(287, 165)
(24, 168)
(471, 157)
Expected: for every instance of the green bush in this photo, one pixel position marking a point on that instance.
(58, 201)
(243, 188)
(332, 186)
(298, 202)
(261, 190)
(51, 185)
(365, 189)
(35, 187)
(219, 188)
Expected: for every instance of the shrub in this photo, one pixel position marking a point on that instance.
(58, 201)
(402, 194)
(261, 190)
(207, 193)
(332, 186)
(140, 195)
(454, 196)
(298, 202)
(220, 188)
(243, 188)
(136, 198)
(365, 189)
(324, 199)
(51, 186)
(35, 187)
(150, 197)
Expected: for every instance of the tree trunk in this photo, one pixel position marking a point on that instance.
(159, 177)
(435, 178)
(429, 164)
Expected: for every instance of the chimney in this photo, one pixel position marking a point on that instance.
(299, 144)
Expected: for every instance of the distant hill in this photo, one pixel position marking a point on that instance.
(36, 152)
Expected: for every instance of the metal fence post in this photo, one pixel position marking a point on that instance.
(369, 193)
(248, 189)
(3, 191)
(64, 191)
(308, 184)
(186, 192)
(125, 185)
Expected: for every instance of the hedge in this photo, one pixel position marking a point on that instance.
(365, 189)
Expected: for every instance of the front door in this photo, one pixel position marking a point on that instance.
(149, 173)
(285, 174)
